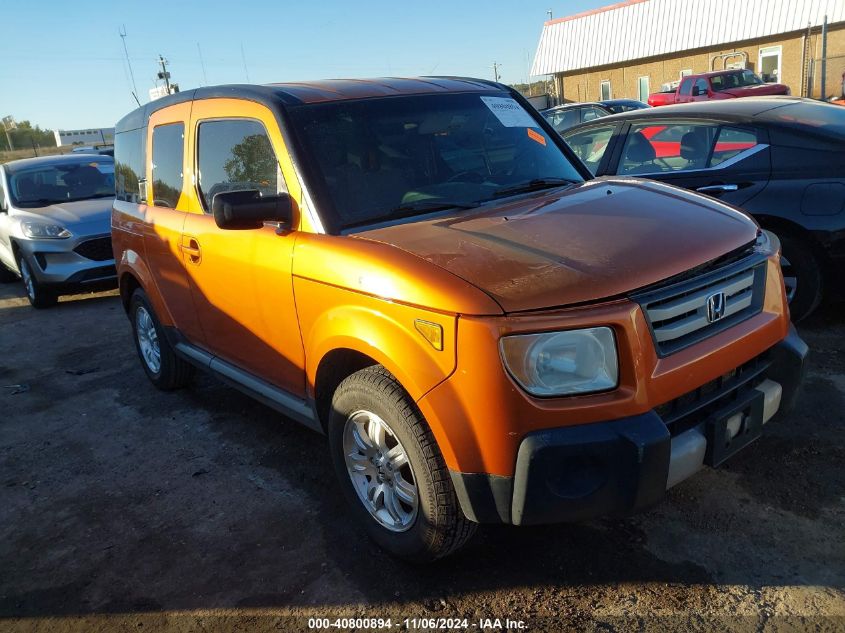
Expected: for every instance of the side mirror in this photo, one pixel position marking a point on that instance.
(240, 210)
(697, 92)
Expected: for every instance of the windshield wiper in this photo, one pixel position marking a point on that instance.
(534, 185)
(414, 208)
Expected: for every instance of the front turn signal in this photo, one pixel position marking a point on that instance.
(432, 332)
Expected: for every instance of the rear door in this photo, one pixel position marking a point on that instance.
(725, 161)
(165, 213)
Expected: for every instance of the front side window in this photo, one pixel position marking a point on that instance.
(700, 88)
(168, 152)
(666, 147)
(591, 145)
(236, 155)
(380, 159)
(62, 182)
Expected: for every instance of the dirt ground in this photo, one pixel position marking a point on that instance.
(125, 508)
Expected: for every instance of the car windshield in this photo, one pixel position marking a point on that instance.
(380, 159)
(735, 80)
(52, 183)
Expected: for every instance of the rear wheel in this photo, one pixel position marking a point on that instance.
(391, 470)
(161, 364)
(802, 276)
(38, 295)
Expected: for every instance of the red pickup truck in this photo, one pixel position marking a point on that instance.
(722, 84)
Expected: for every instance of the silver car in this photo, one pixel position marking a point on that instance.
(55, 234)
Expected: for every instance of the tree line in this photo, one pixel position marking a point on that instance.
(25, 136)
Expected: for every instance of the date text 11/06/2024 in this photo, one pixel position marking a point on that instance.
(414, 624)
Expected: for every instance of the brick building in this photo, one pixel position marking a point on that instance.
(636, 47)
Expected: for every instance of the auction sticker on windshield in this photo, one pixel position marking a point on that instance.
(509, 112)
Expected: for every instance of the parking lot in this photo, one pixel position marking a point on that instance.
(122, 507)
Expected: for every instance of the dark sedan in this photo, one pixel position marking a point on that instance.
(624, 105)
(781, 159)
(563, 117)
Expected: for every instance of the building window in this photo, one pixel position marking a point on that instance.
(643, 89)
(605, 90)
(686, 72)
(770, 63)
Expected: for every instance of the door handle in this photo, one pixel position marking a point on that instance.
(191, 248)
(717, 188)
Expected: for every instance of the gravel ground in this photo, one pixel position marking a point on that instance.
(124, 508)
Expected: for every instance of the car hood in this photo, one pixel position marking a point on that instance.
(591, 241)
(761, 90)
(89, 213)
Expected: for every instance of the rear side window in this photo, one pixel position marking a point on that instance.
(591, 113)
(129, 164)
(168, 152)
(236, 155)
(731, 142)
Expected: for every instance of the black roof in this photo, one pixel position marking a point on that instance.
(788, 112)
(59, 159)
(292, 94)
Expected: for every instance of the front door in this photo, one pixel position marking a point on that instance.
(727, 162)
(241, 280)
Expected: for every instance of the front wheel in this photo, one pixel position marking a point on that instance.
(38, 295)
(391, 470)
(802, 277)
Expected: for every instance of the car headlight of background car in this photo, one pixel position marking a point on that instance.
(44, 230)
(563, 363)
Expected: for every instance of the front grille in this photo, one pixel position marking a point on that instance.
(97, 249)
(679, 316)
(693, 408)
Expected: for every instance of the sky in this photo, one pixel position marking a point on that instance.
(62, 64)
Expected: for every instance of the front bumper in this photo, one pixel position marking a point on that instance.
(64, 266)
(622, 466)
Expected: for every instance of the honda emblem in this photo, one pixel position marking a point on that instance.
(716, 304)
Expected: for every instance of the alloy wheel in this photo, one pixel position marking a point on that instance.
(147, 339)
(28, 281)
(380, 471)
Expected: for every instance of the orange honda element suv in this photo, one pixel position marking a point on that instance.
(423, 271)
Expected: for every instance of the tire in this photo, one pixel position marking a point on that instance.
(424, 531)
(803, 269)
(161, 364)
(39, 296)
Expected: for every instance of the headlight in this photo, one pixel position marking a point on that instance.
(767, 242)
(563, 363)
(41, 231)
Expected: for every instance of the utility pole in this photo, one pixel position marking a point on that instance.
(549, 13)
(824, 60)
(164, 74)
(496, 71)
(9, 124)
(122, 32)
